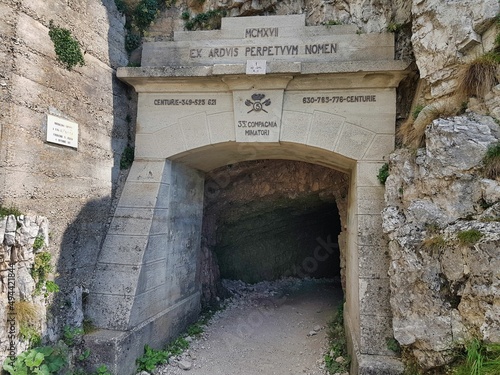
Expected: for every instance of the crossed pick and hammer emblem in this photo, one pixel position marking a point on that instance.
(257, 104)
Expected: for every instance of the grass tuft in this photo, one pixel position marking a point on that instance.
(469, 237)
(195, 330)
(481, 359)
(479, 76)
(27, 317)
(26, 312)
(434, 243)
(416, 111)
(491, 161)
(6, 211)
(337, 344)
(412, 131)
(394, 27)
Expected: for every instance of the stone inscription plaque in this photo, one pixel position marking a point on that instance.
(257, 115)
(62, 132)
(271, 38)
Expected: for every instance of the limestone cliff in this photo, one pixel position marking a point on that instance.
(442, 218)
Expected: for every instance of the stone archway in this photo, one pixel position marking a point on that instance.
(322, 95)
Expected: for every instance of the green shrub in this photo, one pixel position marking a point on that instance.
(6, 211)
(205, 21)
(51, 286)
(102, 370)
(67, 48)
(88, 326)
(132, 41)
(84, 355)
(40, 271)
(127, 157)
(72, 335)
(195, 329)
(39, 243)
(121, 6)
(383, 173)
(38, 361)
(393, 344)
(332, 23)
(177, 346)
(145, 13)
(469, 237)
(151, 358)
(30, 334)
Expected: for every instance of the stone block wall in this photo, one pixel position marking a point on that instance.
(71, 187)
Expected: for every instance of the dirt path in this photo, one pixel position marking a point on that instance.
(272, 329)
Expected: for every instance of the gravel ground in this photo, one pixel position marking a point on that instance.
(267, 328)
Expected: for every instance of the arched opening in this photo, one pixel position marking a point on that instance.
(268, 219)
(194, 116)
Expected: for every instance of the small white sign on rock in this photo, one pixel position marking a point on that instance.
(62, 132)
(256, 67)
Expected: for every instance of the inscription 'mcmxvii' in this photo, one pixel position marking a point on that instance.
(261, 32)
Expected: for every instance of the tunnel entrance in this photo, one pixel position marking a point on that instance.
(268, 219)
(276, 239)
(196, 114)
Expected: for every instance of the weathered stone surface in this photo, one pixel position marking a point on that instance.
(72, 188)
(443, 30)
(442, 291)
(17, 236)
(490, 190)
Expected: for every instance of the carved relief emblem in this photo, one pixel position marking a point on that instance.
(257, 104)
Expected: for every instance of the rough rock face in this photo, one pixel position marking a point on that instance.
(368, 15)
(17, 256)
(446, 31)
(444, 289)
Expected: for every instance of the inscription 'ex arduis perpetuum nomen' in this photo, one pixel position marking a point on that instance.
(265, 51)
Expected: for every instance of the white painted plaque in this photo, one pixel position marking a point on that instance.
(62, 132)
(256, 67)
(257, 115)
